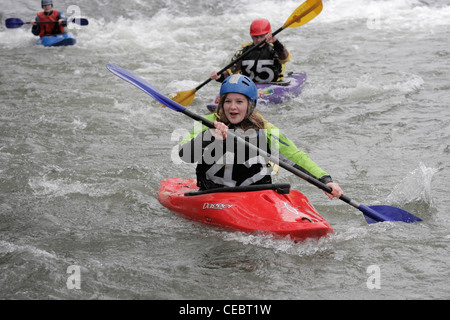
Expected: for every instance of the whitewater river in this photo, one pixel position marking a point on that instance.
(82, 152)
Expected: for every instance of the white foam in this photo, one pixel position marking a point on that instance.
(60, 187)
(415, 187)
(8, 247)
(387, 15)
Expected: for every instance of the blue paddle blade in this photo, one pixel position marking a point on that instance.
(145, 86)
(81, 21)
(13, 23)
(374, 214)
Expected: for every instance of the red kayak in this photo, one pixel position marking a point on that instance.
(264, 208)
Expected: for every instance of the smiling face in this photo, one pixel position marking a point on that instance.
(235, 107)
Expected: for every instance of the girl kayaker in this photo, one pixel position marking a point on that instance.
(265, 64)
(48, 15)
(223, 163)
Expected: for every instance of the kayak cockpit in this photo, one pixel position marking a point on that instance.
(279, 188)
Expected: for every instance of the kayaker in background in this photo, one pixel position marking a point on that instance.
(265, 64)
(222, 163)
(48, 29)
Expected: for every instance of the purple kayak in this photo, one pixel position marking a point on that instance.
(275, 93)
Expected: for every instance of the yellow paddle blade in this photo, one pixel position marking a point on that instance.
(184, 98)
(304, 13)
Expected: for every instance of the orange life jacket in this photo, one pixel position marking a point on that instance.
(47, 29)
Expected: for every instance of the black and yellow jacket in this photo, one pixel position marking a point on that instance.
(262, 65)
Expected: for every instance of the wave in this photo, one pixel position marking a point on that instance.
(219, 12)
(162, 23)
(388, 15)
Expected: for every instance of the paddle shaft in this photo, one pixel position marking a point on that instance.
(273, 159)
(78, 21)
(41, 22)
(14, 22)
(372, 214)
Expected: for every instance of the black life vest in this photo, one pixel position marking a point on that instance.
(262, 65)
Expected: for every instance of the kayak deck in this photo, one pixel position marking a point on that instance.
(66, 39)
(275, 209)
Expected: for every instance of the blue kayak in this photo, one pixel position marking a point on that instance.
(66, 39)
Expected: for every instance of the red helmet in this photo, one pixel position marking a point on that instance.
(260, 27)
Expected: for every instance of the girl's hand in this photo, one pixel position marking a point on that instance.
(337, 191)
(220, 132)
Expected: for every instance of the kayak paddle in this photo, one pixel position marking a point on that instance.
(13, 23)
(372, 214)
(302, 15)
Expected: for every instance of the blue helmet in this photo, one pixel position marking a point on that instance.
(238, 83)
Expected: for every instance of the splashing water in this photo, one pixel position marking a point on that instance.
(416, 188)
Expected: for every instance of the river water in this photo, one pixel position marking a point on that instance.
(82, 153)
